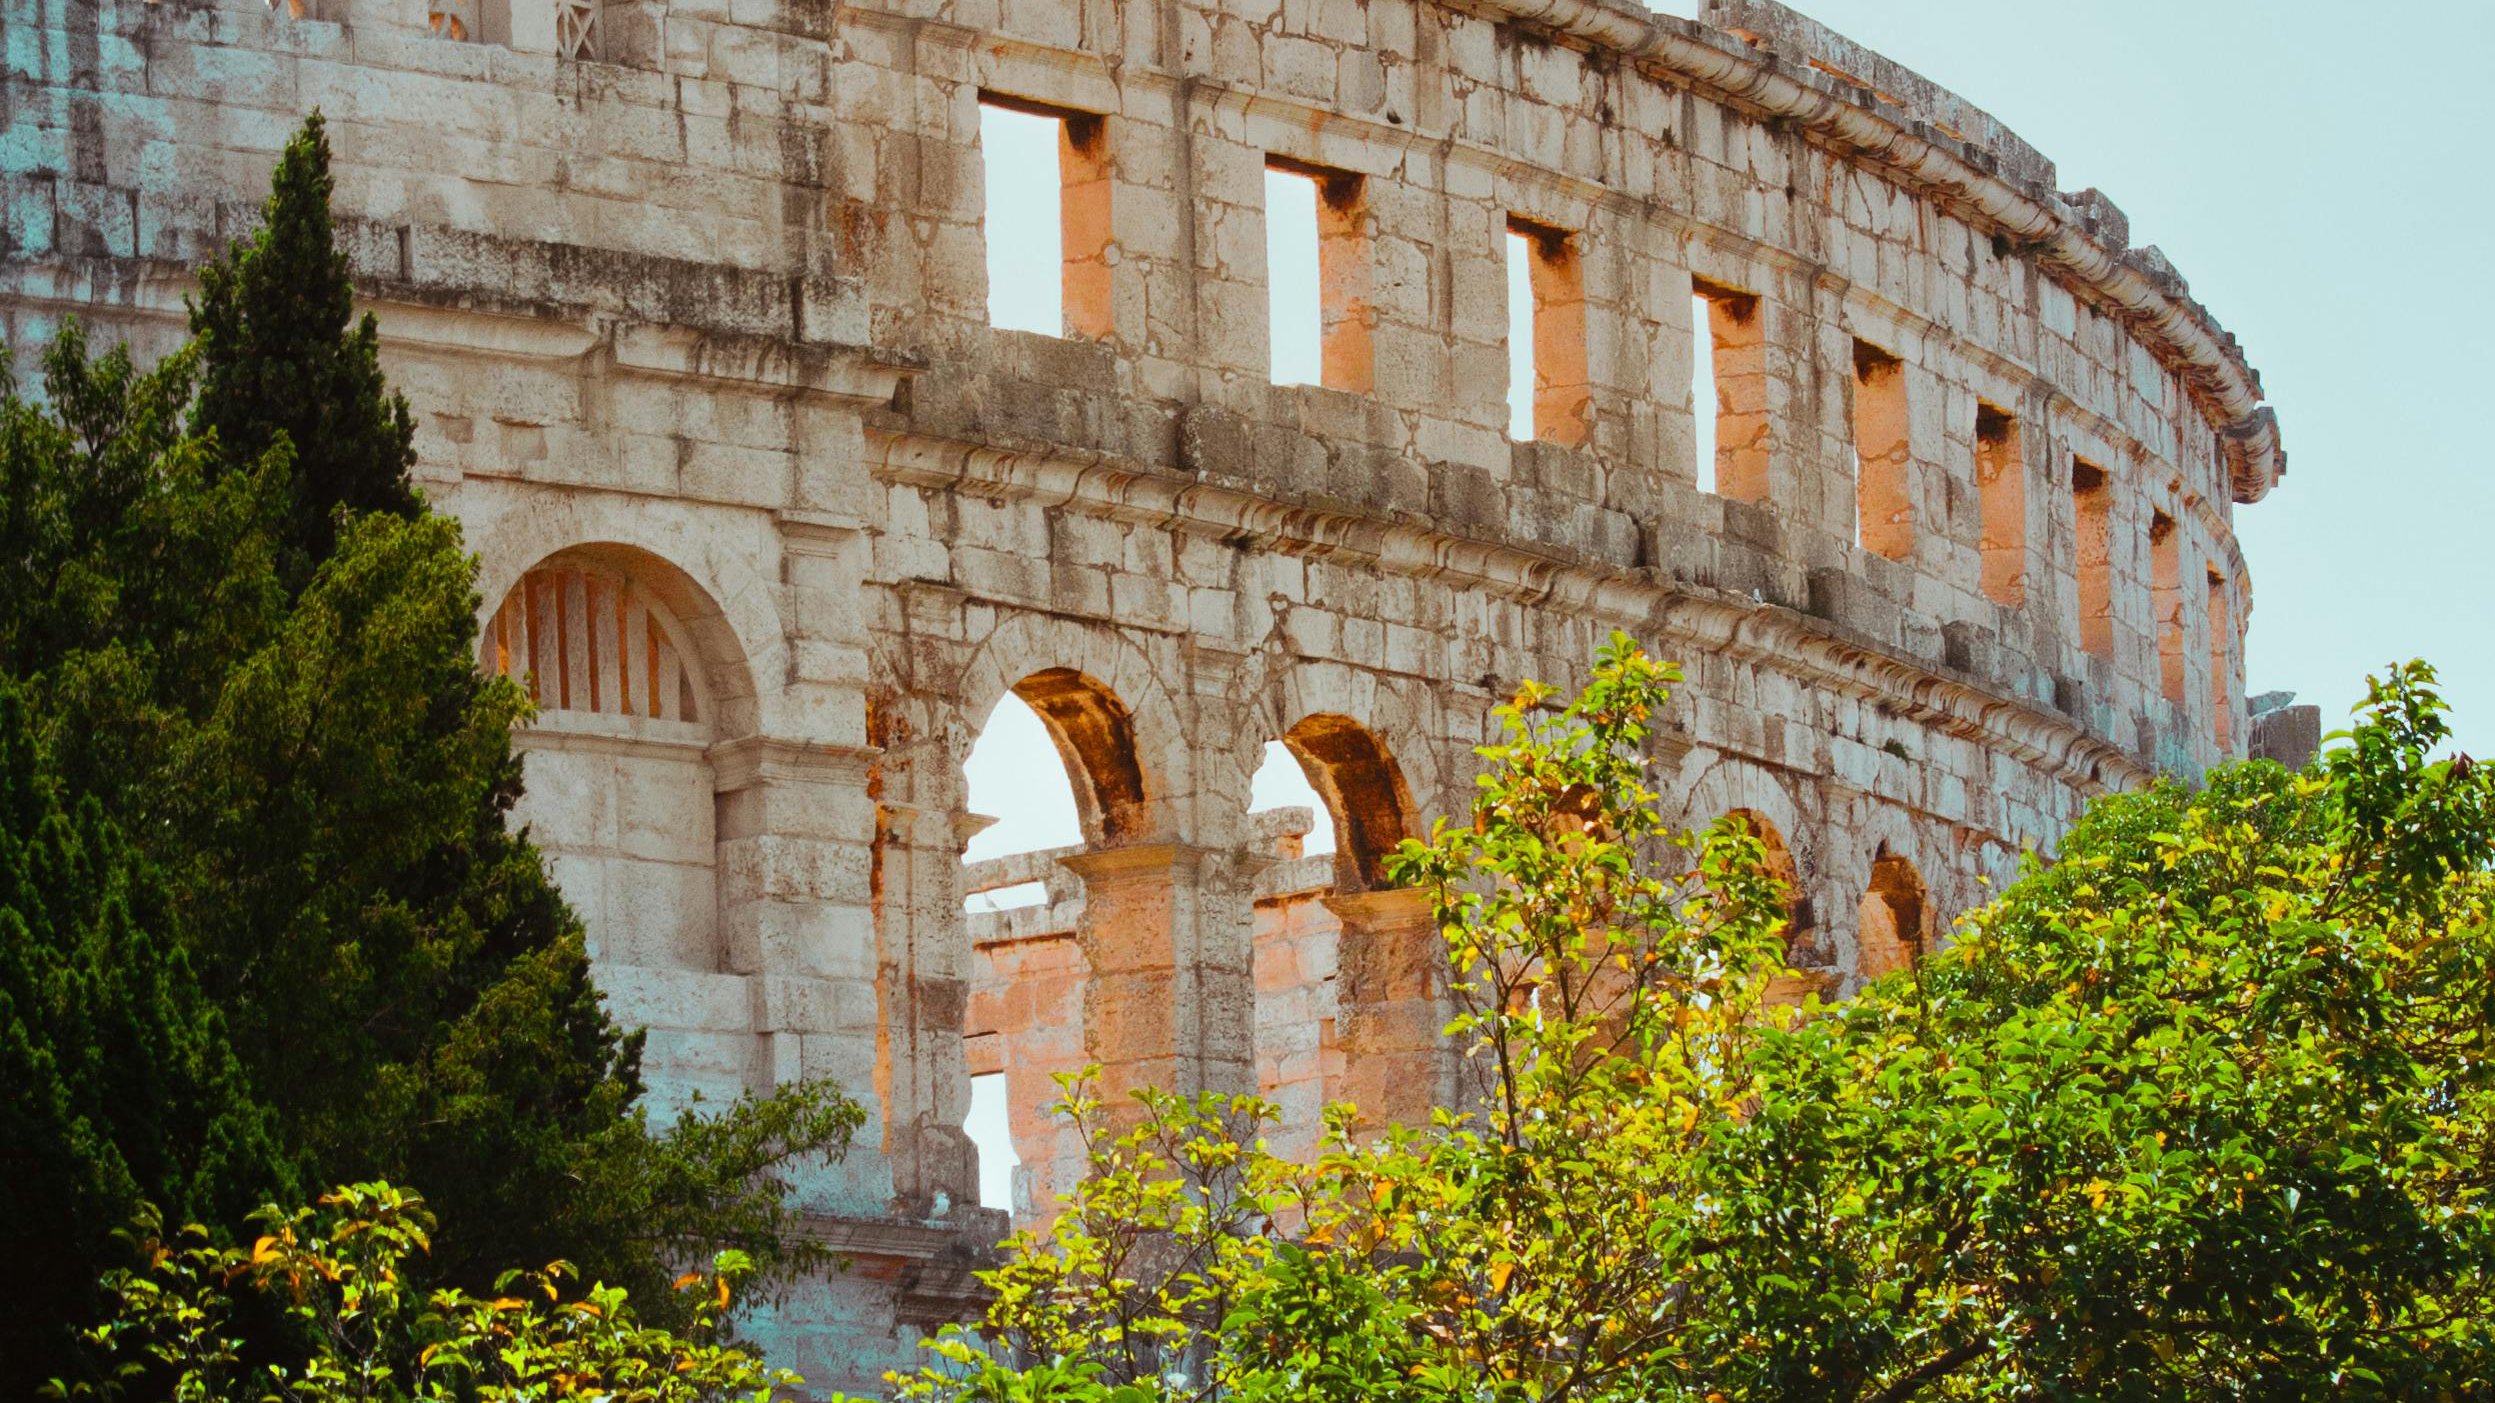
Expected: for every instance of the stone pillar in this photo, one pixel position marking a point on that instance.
(1392, 1007)
(796, 918)
(924, 984)
(1171, 1002)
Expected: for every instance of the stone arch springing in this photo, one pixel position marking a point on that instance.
(1800, 915)
(1364, 793)
(1895, 919)
(1094, 733)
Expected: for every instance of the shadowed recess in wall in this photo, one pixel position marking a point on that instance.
(586, 639)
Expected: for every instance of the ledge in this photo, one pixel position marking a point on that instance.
(1703, 621)
(933, 1263)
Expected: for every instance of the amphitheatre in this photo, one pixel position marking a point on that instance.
(691, 300)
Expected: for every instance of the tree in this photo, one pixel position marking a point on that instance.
(347, 1271)
(282, 354)
(313, 783)
(2199, 1111)
(121, 1082)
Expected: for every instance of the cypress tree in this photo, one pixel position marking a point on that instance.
(283, 353)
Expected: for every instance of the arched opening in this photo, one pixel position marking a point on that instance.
(1800, 918)
(1320, 975)
(620, 792)
(1363, 792)
(1095, 736)
(1054, 771)
(1895, 925)
(634, 673)
(1280, 786)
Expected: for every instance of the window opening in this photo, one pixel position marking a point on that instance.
(1884, 517)
(2092, 508)
(1295, 306)
(1728, 391)
(1549, 397)
(1047, 220)
(1015, 775)
(2165, 547)
(576, 33)
(457, 20)
(1780, 865)
(1894, 924)
(2001, 490)
(1281, 783)
(990, 1128)
(584, 640)
(1317, 275)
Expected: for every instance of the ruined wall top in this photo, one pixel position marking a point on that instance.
(1770, 56)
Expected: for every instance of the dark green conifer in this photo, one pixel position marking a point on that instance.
(283, 353)
(117, 1082)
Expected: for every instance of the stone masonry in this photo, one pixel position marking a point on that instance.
(690, 298)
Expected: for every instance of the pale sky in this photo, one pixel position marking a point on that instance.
(2319, 171)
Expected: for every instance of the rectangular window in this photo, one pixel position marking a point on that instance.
(2092, 507)
(1047, 221)
(1317, 276)
(1728, 391)
(1549, 395)
(2221, 663)
(2165, 551)
(2001, 491)
(1884, 513)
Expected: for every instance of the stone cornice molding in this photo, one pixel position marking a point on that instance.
(1129, 862)
(1727, 625)
(749, 760)
(1957, 173)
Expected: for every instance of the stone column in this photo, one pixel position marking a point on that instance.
(1171, 1001)
(924, 978)
(1392, 1007)
(796, 917)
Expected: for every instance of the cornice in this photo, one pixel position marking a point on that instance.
(1689, 620)
(747, 760)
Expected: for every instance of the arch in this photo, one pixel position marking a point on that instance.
(1106, 709)
(1095, 736)
(1800, 915)
(584, 633)
(631, 663)
(1363, 789)
(726, 607)
(1896, 917)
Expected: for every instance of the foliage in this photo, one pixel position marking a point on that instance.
(283, 356)
(310, 903)
(120, 1079)
(346, 1274)
(2200, 1110)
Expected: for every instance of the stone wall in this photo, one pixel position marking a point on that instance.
(690, 296)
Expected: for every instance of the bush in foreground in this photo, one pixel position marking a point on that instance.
(2199, 1111)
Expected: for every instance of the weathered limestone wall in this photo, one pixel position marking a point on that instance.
(689, 296)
